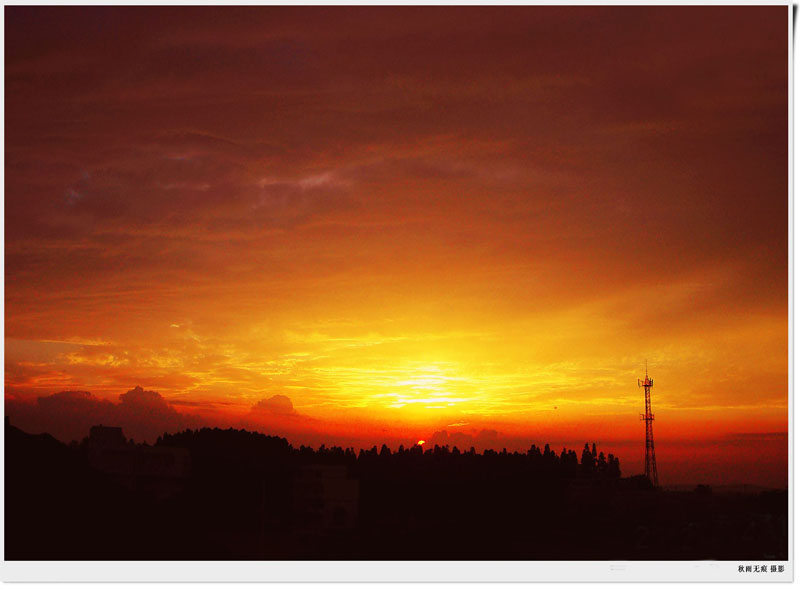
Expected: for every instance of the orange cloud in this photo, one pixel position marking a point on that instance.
(475, 216)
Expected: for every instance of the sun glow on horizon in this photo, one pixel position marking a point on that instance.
(359, 263)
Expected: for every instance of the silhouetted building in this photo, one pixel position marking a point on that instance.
(106, 437)
(253, 496)
(157, 471)
(325, 499)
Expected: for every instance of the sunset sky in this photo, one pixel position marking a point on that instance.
(358, 225)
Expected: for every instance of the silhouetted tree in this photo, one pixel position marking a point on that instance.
(602, 465)
(587, 461)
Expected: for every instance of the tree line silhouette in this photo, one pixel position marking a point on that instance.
(544, 462)
(253, 496)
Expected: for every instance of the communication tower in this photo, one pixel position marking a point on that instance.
(650, 469)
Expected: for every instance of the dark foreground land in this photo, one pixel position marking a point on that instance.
(228, 494)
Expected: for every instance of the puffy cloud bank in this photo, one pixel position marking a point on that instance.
(145, 415)
(68, 415)
(277, 404)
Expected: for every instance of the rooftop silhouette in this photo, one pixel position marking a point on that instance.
(236, 494)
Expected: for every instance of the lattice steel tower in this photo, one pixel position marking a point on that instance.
(650, 469)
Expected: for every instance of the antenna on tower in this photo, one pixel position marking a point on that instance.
(650, 469)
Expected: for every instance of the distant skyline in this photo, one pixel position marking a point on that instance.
(466, 225)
